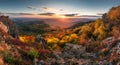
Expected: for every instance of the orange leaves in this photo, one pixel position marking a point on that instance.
(82, 38)
(4, 47)
(27, 39)
(115, 32)
(114, 13)
(52, 40)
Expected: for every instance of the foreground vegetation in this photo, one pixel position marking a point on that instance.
(94, 42)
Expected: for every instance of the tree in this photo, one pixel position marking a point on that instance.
(87, 29)
(114, 15)
(100, 30)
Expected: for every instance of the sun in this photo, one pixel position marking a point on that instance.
(62, 16)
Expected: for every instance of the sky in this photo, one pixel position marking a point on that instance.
(56, 8)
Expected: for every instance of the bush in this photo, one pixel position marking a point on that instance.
(9, 59)
(33, 54)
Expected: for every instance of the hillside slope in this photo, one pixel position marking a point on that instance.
(32, 27)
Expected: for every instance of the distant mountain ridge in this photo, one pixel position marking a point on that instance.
(56, 22)
(32, 27)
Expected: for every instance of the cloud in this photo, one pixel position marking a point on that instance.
(61, 10)
(45, 9)
(31, 7)
(70, 15)
(19, 13)
(52, 14)
(47, 14)
(25, 14)
(48, 8)
(42, 8)
(89, 16)
(1, 13)
(15, 14)
(100, 13)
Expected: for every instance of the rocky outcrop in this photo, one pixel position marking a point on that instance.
(10, 25)
(115, 53)
(4, 27)
(72, 54)
(73, 51)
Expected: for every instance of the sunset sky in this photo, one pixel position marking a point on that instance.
(54, 8)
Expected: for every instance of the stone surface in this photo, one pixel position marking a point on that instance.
(12, 29)
(3, 27)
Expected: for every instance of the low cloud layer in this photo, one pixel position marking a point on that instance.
(71, 15)
(31, 7)
(47, 14)
(100, 14)
(16, 14)
(45, 9)
(88, 16)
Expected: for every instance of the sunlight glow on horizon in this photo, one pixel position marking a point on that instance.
(63, 16)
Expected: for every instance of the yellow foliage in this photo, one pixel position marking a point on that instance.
(27, 39)
(66, 38)
(86, 29)
(98, 23)
(99, 29)
(73, 37)
(52, 40)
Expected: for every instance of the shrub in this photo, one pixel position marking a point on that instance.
(27, 39)
(9, 59)
(52, 42)
(33, 54)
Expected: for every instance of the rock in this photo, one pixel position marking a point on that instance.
(3, 27)
(39, 39)
(118, 63)
(104, 62)
(12, 29)
(72, 50)
(71, 55)
(89, 55)
(116, 49)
